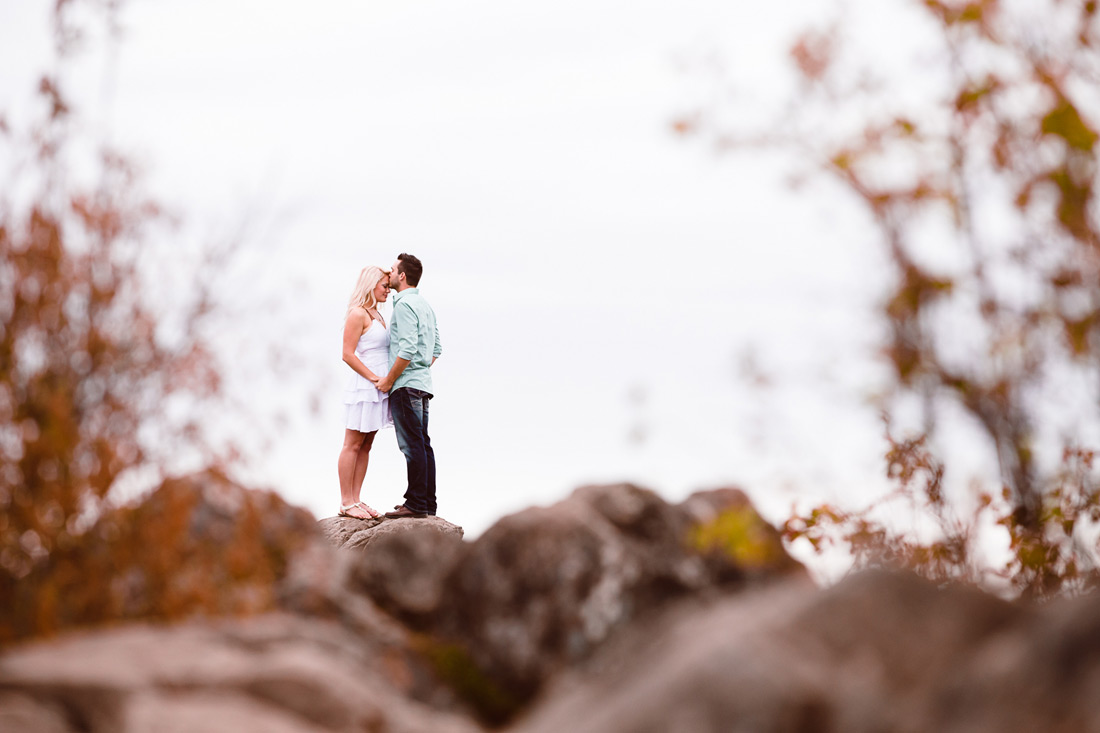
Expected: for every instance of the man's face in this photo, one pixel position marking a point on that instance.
(395, 274)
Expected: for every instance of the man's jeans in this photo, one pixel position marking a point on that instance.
(410, 419)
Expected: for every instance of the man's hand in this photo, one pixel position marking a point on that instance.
(385, 384)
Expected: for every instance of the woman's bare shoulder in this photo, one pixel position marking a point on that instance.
(357, 313)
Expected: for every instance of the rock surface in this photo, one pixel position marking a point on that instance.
(401, 564)
(269, 674)
(543, 588)
(611, 611)
(876, 652)
(350, 534)
(404, 566)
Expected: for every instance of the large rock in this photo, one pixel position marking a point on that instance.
(400, 570)
(736, 542)
(1043, 676)
(699, 669)
(404, 566)
(340, 530)
(352, 534)
(22, 713)
(275, 673)
(611, 611)
(401, 564)
(542, 589)
(876, 652)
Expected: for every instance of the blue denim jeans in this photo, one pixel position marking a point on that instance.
(410, 420)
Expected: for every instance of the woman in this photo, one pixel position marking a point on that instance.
(366, 410)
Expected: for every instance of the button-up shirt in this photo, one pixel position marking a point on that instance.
(413, 336)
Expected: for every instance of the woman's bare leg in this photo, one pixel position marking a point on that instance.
(362, 458)
(345, 469)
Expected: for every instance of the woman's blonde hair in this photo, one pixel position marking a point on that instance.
(363, 294)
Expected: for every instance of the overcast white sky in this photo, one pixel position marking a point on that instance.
(602, 287)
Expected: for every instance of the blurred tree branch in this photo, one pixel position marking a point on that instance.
(977, 163)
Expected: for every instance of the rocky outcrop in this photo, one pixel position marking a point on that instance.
(272, 674)
(1041, 676)
(610, 611)
(543, 588)
(352, 534)
(443, 626)
(405, 566)
(876, 652)
(400, 564)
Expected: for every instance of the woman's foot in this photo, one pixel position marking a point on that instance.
(357, 511)
(373, 514)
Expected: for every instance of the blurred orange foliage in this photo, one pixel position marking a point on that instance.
(198, 545)
(88, 375)
(1034, 164)
(983, 194)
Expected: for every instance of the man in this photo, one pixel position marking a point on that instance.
(414, 347)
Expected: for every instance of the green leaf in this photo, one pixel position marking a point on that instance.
(1065, 122)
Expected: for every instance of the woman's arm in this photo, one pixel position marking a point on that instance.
(353, 330)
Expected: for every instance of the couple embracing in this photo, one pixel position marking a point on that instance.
(391, 385)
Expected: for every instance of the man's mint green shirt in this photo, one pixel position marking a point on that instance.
(413, 336)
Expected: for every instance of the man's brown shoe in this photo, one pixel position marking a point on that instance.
(403, 512)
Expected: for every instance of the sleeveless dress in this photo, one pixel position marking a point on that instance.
(365, 408)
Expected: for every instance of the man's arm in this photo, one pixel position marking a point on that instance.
(385, 384)
(438, 346)
(403, 331)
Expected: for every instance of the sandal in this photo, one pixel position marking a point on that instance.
(373, 514)
(344, 512)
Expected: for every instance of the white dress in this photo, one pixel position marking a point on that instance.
(365, 408)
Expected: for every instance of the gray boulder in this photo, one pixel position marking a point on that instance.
(541, 590)
(403, 566)
(400, 564)
(350, 533)
(270, 674)
(876, 652)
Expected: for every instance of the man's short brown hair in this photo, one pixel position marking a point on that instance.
(411, 267)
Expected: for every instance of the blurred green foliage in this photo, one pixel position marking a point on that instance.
(457, 668)
(742, 536)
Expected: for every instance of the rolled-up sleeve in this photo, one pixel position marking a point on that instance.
(405, 326)
(438, 346)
